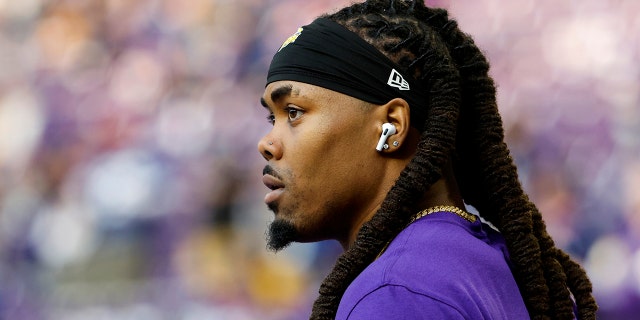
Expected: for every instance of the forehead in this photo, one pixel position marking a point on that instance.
(278, 90)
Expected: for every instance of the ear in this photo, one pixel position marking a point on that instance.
(396, 112)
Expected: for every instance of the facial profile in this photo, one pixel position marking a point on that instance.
(321, 162)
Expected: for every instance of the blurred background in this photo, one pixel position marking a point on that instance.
(129, 176)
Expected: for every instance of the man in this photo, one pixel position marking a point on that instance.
(385, 126)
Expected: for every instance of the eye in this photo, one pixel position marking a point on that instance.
(294, 114)
(271, 119)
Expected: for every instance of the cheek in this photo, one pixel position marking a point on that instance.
(332, 158)
(327, 151)
(310, 155)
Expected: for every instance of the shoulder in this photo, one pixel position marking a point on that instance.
(398, 302)
(443, 251)
(415, 275)
(440, 262)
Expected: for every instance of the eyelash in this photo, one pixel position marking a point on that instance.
(271, 118)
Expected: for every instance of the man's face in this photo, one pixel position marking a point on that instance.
(322, 163)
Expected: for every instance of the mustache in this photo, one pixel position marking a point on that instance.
(271, 171)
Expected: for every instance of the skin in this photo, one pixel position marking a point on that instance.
(328, 177)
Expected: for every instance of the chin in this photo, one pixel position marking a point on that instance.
(281, 234)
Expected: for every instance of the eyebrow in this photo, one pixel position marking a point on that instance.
(277, 94)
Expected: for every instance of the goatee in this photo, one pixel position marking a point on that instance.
(280, 235)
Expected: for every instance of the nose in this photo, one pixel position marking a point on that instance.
(269, 148)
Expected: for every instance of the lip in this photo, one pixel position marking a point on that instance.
(276, 186)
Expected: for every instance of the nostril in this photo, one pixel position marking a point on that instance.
(266, 154)
(269, 149)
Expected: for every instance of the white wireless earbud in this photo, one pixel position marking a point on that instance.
(387, 130)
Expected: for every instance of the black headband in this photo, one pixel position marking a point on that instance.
(328, 55)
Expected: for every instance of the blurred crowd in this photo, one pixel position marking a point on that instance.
(130, 179)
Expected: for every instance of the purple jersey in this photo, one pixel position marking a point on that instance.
(439, 267)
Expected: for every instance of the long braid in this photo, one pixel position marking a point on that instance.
(580, 288)
(426, 43)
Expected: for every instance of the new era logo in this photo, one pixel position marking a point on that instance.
(397, 81)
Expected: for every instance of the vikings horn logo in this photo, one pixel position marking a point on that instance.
(291, 39)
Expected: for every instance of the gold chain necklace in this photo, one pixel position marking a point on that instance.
(463, 214)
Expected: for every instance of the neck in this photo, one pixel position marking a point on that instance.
(443, 192)
(391, 173)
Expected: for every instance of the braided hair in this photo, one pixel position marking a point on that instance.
(462, 127)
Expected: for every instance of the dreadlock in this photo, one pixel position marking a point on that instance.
(462, 126)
